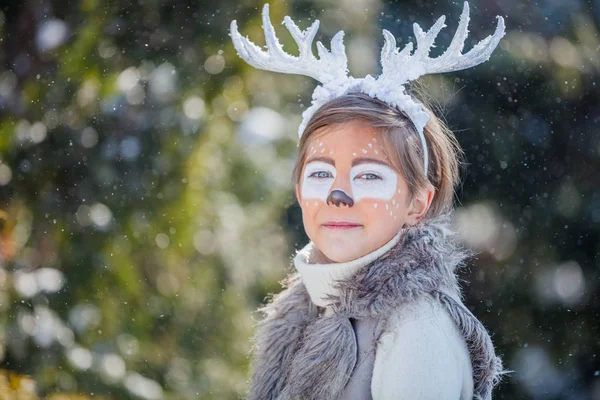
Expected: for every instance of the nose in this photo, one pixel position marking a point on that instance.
(339, 198)
(342, 191)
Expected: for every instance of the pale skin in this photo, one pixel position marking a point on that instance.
(350, 158)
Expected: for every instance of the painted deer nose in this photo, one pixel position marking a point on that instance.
(338, 197)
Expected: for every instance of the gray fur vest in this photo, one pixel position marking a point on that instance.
(301, 354)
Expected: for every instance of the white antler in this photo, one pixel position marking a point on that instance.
(398, 67)
(330, 65)
(404, 67)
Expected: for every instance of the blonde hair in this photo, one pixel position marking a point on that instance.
(400, 135)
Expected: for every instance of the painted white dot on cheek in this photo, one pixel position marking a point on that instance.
(370, 145)
(364, 151)
(316, 203)
(331, 153)
(387, 207)
(375, 205)
(393, 201)
(322, 150)
(390, 213)
(354, 154)
(376, 152)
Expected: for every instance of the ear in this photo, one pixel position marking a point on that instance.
(419, 206)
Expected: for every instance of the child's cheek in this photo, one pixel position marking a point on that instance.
(387, 209)
(310, 211)
(379, 210)
(315, 192)
(311, 204)
(395, 203)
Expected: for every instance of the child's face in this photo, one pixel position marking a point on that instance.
(348, 179)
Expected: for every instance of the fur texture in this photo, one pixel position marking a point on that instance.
(300, 354)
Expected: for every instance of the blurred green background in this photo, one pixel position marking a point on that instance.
(147, 209)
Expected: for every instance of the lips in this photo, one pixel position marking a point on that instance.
(341, 225)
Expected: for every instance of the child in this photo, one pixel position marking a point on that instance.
(374, 310)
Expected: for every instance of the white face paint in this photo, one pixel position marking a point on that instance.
(370, 180)
(317, 180)
(373, 181)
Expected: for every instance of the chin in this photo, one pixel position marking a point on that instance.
(342, 255)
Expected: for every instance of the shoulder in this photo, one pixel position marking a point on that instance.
(422, 355)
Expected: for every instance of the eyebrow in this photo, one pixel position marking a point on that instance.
(356, 161)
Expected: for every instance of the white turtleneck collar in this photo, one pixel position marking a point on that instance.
(319, 278)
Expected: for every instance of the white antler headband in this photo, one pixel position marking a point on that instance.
(398, 67)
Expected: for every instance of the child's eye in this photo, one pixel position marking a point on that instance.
(368, 177)
(319, 175)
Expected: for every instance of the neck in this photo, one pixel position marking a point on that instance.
(319, 273)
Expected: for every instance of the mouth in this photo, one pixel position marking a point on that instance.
(340, 225)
